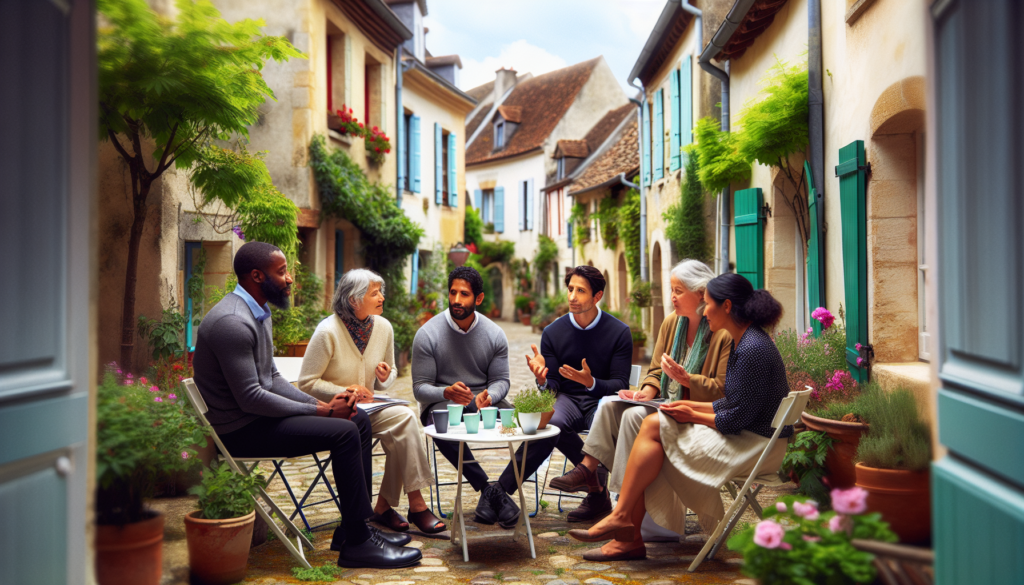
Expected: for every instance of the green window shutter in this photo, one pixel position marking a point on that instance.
(645, 129)
(499, 210)
(658, 136)
(750, 235)
(414, 151)
(453, 179)
(686, 102)
(815, 252)
(673, 145)
(852, 171)
(438, 168)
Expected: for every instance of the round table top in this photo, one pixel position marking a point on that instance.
(458, 433)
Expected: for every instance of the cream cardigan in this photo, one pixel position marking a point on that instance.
(333, 362)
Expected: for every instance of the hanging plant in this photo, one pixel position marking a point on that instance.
(345, 123)
(640, 295)
(377, 145)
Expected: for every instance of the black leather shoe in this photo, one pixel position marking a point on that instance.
(377, 553)
(486, 513)
(508, 511)
(391, 537)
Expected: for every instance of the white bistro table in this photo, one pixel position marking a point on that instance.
(458, 433)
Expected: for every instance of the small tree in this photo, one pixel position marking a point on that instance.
(178, 85)
(685, 219)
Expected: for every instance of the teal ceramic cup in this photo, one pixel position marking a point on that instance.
(472, 420)
(455, 414)
(490, 416)
(506, 416)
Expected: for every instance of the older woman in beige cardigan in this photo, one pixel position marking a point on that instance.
(352, 351)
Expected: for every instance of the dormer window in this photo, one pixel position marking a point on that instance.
(505, 123)
(499, 133)
(560, 166)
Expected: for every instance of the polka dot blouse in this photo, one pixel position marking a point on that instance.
(755, 384)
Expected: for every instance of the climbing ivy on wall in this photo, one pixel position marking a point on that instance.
(628, 227)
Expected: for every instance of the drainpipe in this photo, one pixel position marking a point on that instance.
(699, 17)
(816, 126)
(643, 194)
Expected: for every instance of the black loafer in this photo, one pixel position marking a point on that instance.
(485, 510)
(389, 537)
(377, 553)
(508, 511)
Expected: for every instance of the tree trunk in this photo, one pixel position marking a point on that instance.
(131, 275)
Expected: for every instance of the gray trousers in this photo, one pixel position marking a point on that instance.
(612, 435)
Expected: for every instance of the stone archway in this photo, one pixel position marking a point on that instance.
(623, 278)
(894, 205)
(657, 298)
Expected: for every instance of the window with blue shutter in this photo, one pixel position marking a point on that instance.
(673, 145)
(658, 137)
(414, 282)
(750, 235)
(438, 165)
(478, 202)
(499, 210)
(528, 192)
(685, 102)
(645, 140)
(453, 182)
(414, 151)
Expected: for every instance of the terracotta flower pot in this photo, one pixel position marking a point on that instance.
(297, 349)
(545, 418)
(218, 550)
(902, 497)
(525, 318)
(839, 460)
(130, 554)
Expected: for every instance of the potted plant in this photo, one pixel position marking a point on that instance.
(142, 434)
(343, 122)
(639, 340)
(220, 531)
(295, 325)
(893, 462)
(524, 306)
(796, 543)
(534, 409)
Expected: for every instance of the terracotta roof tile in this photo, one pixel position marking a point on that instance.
(478, 119)
(511, 113)
(622, 157)
(572, 149)
(546, 99)
(606, 125)
(481, 91)
(757, 20)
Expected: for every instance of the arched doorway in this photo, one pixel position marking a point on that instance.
(623, 286)
(657, 299)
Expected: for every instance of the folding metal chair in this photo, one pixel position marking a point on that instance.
(295, 549)
(789, 411)
(321, 476)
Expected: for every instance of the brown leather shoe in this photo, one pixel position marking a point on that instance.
(595, 506)
(580, 479)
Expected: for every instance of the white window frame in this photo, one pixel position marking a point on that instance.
(499, 133)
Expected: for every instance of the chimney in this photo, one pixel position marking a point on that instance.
(504, 80)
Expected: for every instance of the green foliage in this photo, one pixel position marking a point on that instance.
(475, 262)
(640, 294)
(268, 216)
(216, 294)
(718, 158)
(775, 123)
(812, 361)
(531, 399)
(608, 222)
(546, 256)
(581, 226)
(499, 251)
(826, 558)
(195, 287)
(389, 237)
(225, 494)
(805, 463)
(523, 303)
(166, 337)
(323, 573)
(473, 228)
(142, 433)
(684, 220)
(298, 322)
(629, 231)
(897, 437)
(550, 308)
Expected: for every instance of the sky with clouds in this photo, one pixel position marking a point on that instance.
(538, 36)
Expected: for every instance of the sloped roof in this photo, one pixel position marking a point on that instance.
(481, 91)
(478, 119)
(758, 18)
(445, 60)
(622, 157)
(511, 113)
(572, 148)
(605, 126)
(664, 37)
(544, 100)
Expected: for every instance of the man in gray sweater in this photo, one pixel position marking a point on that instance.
(257, 413)
(461, 357)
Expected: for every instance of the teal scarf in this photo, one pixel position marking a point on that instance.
(692, 361)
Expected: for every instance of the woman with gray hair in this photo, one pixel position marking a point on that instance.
(689, 363)
(350, 352)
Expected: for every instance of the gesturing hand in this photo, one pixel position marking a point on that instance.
(674, 370)
(458, 393)
(678, 411)
(582, 376)
(537, 366)
(483, 400)
(383, 371)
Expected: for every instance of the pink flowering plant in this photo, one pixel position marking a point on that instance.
(800, 544)
(815, 361)
(142, 434)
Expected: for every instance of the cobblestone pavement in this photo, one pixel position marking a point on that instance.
(494, 556)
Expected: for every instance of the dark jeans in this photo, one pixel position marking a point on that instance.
(573, 414)
(350, 445)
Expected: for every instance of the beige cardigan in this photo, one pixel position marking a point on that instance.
(333, 362)
(707, 386)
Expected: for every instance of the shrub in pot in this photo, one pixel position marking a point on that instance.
(893, 462)
(142, 434)
(534, 409)
(220, 531)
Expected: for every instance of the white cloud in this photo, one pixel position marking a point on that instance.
(519, 55)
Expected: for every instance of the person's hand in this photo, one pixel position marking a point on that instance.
(362, 393)
(537, 366)
(344, 405)
(483, 400)
(582, 376)
(678, 411)
(383, 371)
(458, 393)
(674, 370)
(646, 393)
(627, 394)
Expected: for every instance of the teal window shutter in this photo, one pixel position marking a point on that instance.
(414, 282)
(815, 252)
(645, 139)
(673, 145)
(685, 102)
(499, 210)
(658, 137)
(852, 171)
(453, 179)
(478, 202)
(749, 204)
(414, 159)
(438, 168)
(528, 186)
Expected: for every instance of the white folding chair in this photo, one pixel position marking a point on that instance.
(789, 411)
(199, 404)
